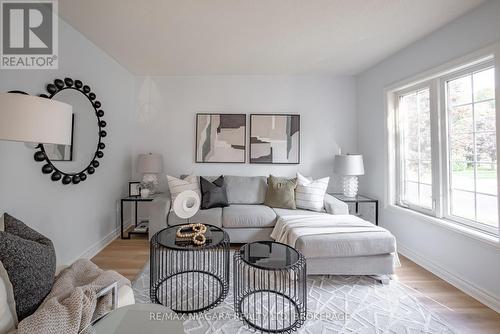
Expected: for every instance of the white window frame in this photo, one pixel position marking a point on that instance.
(439, 140)
(399, 144)
(446, 212)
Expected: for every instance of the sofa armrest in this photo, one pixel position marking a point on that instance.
(160, 207)
(334, 206)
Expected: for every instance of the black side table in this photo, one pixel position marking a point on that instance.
(358, 199)
(135, 199)
(270, 291)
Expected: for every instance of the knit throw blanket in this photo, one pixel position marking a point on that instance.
(72, 303)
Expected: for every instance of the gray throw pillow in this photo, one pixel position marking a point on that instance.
(280, 192)
(30, 261)
(213, 194)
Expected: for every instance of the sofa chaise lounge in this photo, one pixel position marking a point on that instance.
(247, 219)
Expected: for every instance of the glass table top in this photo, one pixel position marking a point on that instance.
(167, 238)
(269, 255)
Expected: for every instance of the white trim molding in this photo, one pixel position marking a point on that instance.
(460, 283)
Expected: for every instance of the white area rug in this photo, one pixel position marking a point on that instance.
(336, 304)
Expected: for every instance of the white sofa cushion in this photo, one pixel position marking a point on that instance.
(247, 216)
(246, 189)
(310, 194)
(290, 212)
(8, 316)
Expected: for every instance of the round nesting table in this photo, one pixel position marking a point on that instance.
(189, 278)
(270, 292)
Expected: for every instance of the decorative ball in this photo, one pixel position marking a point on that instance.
(66, 179)
(92, 96)
(47, 169)
(90, 170)
(100, 113)
(99, 154)
(97, 104)
(83, 176)
(51, 89)
(78, 84)
(59, 83)
(86, 89)
(102, 124)
(95, 163)
(39, 156)
(76, 179)
(68, 82)
(56, 176)
(103, 133)
(101, 146)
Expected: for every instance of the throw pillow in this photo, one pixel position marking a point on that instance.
(213, 194)
(176, 185)
(280, 192)
(30, 261)
(8, 317)
(310, 194)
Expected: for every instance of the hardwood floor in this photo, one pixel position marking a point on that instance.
(463, 312)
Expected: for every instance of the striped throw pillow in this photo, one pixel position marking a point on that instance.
(176, 186)
(310, 194)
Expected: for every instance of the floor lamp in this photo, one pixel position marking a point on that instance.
(33, 119)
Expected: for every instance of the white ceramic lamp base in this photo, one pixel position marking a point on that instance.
(350, 186)
(151, 179)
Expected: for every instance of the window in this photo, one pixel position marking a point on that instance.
(415, 139)
(472, 150)
(446, 152)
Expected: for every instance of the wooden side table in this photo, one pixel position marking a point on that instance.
(357, 200)
(135, 200)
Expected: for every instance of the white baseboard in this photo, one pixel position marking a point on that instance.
(101, 244)
(464, 285)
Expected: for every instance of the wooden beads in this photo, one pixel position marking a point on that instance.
(197, 236)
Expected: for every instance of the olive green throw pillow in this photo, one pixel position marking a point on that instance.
(280, 192)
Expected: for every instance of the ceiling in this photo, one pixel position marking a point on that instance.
(254, 37)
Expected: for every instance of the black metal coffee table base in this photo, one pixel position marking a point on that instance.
(197, 298)
(295, 313)
(188, 278)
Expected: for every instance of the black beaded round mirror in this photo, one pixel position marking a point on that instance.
(71, 164)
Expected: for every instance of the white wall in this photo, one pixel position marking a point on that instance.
(74, 217)
(468, 263)
(166, 109)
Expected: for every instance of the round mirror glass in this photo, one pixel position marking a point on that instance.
(85, 135)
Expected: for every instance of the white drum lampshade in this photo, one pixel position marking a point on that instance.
(350, 166)
(186, 204)
(33, 119)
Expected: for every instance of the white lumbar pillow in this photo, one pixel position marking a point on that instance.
(8, 316)
(177, 186)
(310, 194)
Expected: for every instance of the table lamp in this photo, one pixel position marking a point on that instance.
(350, 166)
(150, 165)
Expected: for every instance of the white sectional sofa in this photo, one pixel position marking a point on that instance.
(247, 219)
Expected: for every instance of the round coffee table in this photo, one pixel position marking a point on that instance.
(189, 278)
(270, 292)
